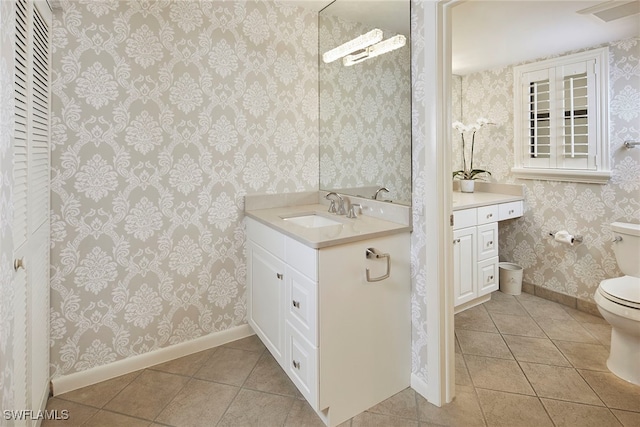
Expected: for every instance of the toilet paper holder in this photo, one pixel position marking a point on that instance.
(577, 238)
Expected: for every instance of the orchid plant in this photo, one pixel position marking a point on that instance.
(470, 172)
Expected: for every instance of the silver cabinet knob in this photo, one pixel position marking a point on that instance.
(489, 215)
(279, 276)
(295, 303)
(18, 264)
(296, 364)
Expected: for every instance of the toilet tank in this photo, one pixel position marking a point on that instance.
(627, 250)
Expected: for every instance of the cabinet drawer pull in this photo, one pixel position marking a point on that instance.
(511, 211)
(456, 240)
(296, 364)
(490, 278)
(295, 303)
(489, 216)
(490, 243)
(279, 276)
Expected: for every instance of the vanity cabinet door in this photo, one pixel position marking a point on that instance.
(266, 275)
(464, 265)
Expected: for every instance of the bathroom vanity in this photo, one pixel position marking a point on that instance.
(475, 242)
(330, 298)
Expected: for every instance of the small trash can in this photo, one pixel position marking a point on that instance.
(510, 278)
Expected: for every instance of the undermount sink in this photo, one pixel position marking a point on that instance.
(311, 220)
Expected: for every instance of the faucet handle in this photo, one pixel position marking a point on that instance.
(332, 206)
(352, 211)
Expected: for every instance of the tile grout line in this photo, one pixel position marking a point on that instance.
(571, 363)
(241, 387)
(191, 377)
(475, 389)
(536, 395)
(544, 408)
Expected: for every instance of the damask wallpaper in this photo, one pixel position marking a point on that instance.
(165, 114)
(7, 43)
(418, 236)
(585, 209)
(365, 116)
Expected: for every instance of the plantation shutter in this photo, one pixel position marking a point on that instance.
(537, 91)
(556, 122)
(577, 144)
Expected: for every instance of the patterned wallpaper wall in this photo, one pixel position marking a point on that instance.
(585, 209)
(7, 43)
(418, 203)
(165, 114)
(365, 116)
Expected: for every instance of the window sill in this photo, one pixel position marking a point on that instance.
(567, 175)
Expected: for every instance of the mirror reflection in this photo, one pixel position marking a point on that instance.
(365, 99)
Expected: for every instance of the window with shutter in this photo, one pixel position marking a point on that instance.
(560, 118)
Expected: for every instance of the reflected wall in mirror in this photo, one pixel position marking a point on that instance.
(456, 116)
(365, 108)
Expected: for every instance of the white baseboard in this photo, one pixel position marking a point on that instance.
(66, 383)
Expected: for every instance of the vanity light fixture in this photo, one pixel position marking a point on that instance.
(385, 46)
(359, 43)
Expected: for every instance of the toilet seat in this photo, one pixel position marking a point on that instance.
(623, 290)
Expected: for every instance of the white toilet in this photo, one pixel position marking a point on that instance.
(618, 301)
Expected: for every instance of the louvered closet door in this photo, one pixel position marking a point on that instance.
(31, 203)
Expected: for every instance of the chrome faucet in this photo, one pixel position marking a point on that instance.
(375, 196)
(332, 207)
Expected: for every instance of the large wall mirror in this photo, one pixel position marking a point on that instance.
(365, 102)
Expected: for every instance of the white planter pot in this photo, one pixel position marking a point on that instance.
(467, 185)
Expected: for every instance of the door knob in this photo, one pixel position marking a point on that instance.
(18, 263)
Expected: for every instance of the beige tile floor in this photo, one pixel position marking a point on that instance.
(520, 361)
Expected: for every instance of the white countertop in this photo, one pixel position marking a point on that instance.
(480, 198)
(349, 230)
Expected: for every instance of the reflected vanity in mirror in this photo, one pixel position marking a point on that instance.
(365, 99)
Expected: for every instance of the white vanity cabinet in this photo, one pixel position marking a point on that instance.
(475, 251)
(343, 341)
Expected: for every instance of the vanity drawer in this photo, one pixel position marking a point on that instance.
(487, 276)
(487, 214)
(267, 237)
(511, 210)
(302, 258)
(487, 241)
(301, 365)
(301, 304)
(464, 218)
